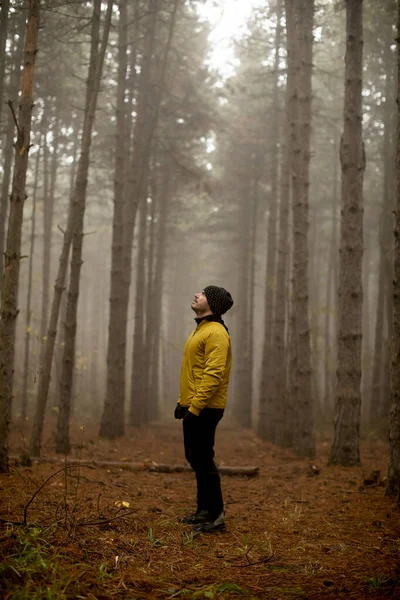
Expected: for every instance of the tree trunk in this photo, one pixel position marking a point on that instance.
(379, 397)
(279, 348)
(393, 479)
(147, 111)
(12, 257)
(9, 140)
(375, 399)
(345, 447)
(154, 318)
(5, 5)
(49, 182)
(93, 85)
(330, 320)
(242, 407)
(151, 253)
(387, 217)
(138, 412)
(116, 350)
(366, 363)
(24, 399)
(271, 406)
(299, 14)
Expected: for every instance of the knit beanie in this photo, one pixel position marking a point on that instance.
(219, 300)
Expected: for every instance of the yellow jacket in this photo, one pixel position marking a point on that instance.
(206, 365)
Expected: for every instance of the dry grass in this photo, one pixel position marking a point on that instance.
(291, 534)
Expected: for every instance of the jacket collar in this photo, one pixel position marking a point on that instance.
(212, 318)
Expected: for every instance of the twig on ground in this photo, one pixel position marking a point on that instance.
(257, 562)
(106, 521)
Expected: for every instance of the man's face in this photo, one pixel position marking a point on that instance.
(200, 304)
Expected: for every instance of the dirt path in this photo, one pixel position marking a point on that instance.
(291, 533)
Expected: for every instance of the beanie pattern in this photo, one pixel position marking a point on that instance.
(218, 298)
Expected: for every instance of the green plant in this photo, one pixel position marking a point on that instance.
(103, 573)
(153, 540)
(377, 582)
(188, 538)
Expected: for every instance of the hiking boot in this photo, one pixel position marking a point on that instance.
(198, 518)
(211, 527)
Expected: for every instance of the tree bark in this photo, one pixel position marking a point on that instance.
(9, 140)
(299, 14)
(5, 6)
(24, 399)
(116, 350)
(388, 157)
(271, 406)
(345, 447)
(154, 317)
(9, 310)
(138, 412)
(242, 406)
(93, 85)
(393, 479)
(331, 308)
(49, 183)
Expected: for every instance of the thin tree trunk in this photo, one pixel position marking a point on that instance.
(24, 399)
(154, 320)
(375, 399)
(49, 179)
(252, 287)
(46, 234)
(93, 86)
(242, 407)
(271, 408)
(366, 363)
(389, 205)
(5, 5)
(12, 257)
(9, 141)
(116, 350)
(330, 320)
(280, 328)
(345, 447)
(137, 414)
(299, 14)
(393, 479)
(151, 253)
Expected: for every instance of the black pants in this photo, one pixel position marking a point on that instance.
(199, 438)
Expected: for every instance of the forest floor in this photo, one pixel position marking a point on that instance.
(299, 529)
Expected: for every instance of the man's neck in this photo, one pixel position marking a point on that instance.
(202, 315)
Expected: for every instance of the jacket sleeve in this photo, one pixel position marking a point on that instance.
(216, 356)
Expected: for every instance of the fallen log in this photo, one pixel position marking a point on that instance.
(130, 466)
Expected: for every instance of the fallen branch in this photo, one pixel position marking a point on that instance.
(105, 521)
(151, 466)
(257, 562)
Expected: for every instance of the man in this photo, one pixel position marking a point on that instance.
(206, 366)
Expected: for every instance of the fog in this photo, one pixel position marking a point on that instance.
(190, 183)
